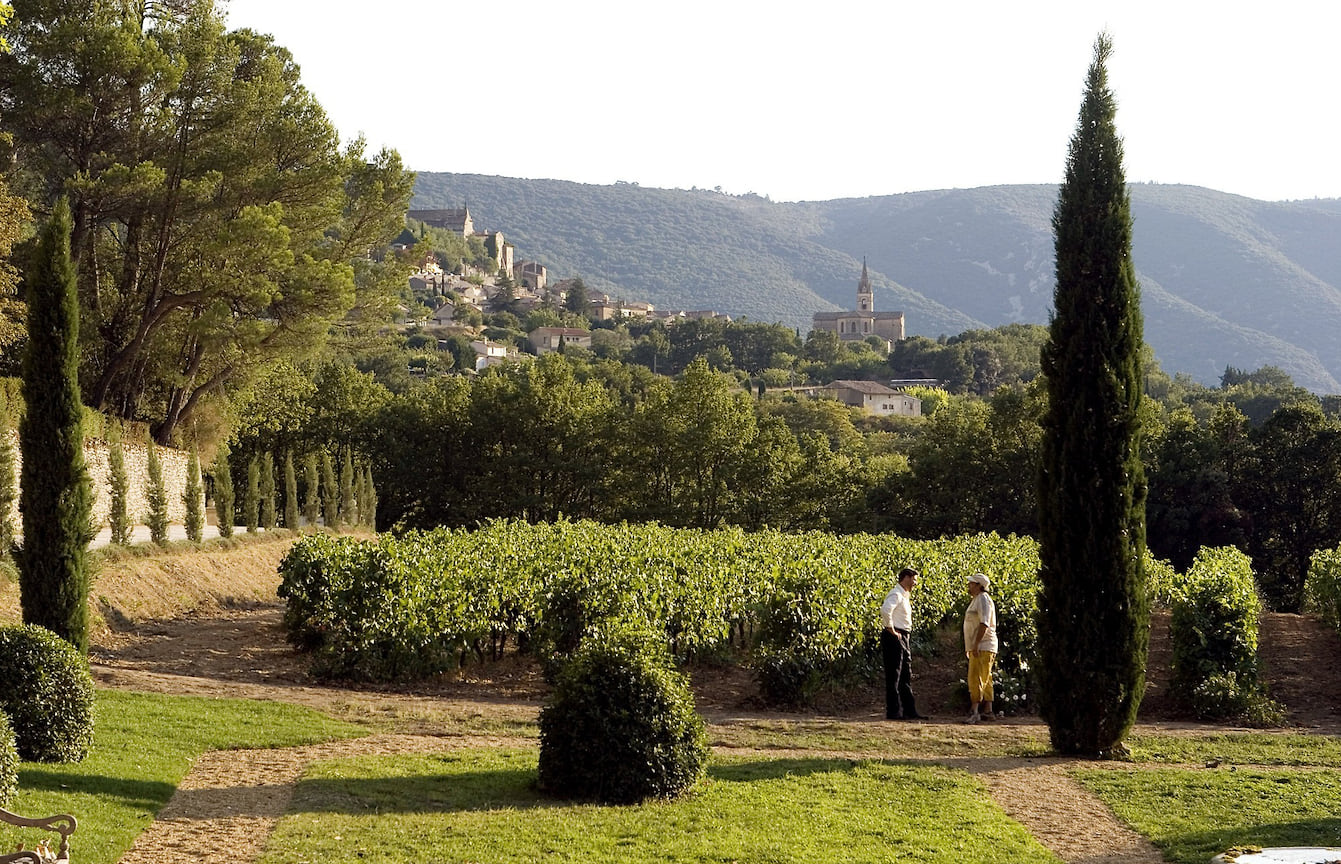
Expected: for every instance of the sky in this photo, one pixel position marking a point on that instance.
(823, 100)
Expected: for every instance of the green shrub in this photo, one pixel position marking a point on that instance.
(620, 726)
(9, 762)
(47, 691)
(1213, 627)
(1322, 588)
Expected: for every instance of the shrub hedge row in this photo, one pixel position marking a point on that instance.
(804, 607)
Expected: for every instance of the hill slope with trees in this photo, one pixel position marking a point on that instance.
(1226, 280)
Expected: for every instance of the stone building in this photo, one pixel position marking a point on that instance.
(864, 321)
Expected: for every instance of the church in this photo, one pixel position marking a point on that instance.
(864, 321)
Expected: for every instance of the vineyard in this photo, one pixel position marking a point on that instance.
(800, 609)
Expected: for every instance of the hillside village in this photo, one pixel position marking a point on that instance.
(460, 299)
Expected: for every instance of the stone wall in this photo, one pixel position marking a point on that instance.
(174, 464)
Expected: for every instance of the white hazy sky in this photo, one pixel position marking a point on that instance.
(819, 100)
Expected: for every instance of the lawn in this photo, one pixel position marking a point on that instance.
(1193, 815)
(143, 746)
(481, 805)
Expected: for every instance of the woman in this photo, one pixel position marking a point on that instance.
(980, 645)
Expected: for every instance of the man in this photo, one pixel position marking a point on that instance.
(896, 614)
(980, 644)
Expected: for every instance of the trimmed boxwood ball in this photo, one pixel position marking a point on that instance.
(47, 691)
(9, 763)
(620, 725)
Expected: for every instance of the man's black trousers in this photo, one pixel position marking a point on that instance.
(898, 676)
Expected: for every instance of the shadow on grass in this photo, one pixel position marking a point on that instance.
(1203, 845)
(512, 788)
(147, 794)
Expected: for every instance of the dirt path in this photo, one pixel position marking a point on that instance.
(230, 802)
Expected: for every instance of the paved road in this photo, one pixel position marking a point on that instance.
(141, 534)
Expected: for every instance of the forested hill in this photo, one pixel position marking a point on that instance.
(1226, 281)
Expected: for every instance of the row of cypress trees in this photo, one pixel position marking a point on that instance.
(336, 501)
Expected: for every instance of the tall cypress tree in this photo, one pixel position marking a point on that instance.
(349, 510)
(9, 484)
(251, 496)
(268, 491)
(193, 497)
(290, 492)
(1093, 612)
(311, 491)
(223, 492)
(157, 494)
(330, 493)
(55, 489)
(118, 511)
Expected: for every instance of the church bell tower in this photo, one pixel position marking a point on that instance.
(865, 295)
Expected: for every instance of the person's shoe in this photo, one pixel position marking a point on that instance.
(973, 718)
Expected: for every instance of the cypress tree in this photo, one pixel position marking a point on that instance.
(55, 488)
(157, 515)
(118, 511)
(223, 492)
(194, 499)
(330, 495)
(349, 511)
(267, 491)
(251, 500)
(312, 490)
(9, 485)
(290, 492)
(1093, 613)
(368, 505)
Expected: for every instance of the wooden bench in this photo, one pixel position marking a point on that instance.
(62, 824)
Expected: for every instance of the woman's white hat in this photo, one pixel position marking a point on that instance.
(981, 579)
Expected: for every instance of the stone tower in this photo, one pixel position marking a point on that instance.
(865, 294)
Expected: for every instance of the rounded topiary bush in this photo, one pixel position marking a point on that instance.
(620, 726)
(47, 691)
(9, 762)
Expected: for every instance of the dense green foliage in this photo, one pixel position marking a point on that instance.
(193, 498)
(290, 517)
(620, 725)
(56, 493)
(47, 692)
(800, 607)
(9, 761)
(217, 220)
(1322, 591)
(223, 492)
(9, 485)
(1295, 513)
(156, 494)
(1093, 613)
(118, 514)
(1214, 633)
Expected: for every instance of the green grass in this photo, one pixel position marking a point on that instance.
(481, 806)
(891, 740)
(1194, 815)
(1238, 748)
(143, 746)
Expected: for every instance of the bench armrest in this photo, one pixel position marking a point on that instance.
(63, 824)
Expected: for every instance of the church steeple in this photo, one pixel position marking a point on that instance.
(865, 294)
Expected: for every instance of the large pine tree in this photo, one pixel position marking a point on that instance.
(1093, 612)
(56, 493)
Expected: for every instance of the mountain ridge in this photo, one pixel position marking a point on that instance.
(1227, 280)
